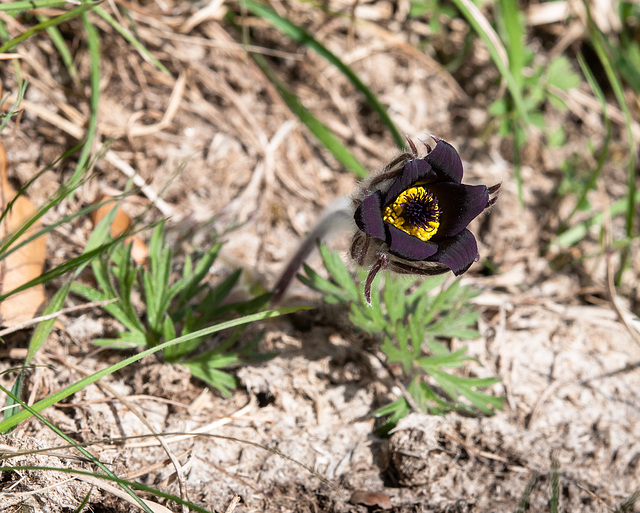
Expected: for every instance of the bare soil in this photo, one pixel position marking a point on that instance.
(215, 140)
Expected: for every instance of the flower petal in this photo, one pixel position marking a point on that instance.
(368, 216)
(446, 163)
(409, 247)
(459, 205)
(457, 253)
(416, 170)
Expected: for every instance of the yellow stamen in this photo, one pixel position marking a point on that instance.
(394, 213)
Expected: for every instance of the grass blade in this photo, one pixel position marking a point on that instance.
(11, 406)
(63, 50)
(146, 54)
(43, 328)
(31, 4)
(496, 49)
(514, 31)
(524, 503)
(627, 506)
(79, 385)
(554, 488)
(75, 444)
(300, 35)
(319, 130)
(578, 232)
(599, 43)
(93, 43)
(5, 117)
(602, 158)
(115, 479)
(81, 10)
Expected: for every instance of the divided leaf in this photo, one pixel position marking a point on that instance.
(172, 308)
(409, 320)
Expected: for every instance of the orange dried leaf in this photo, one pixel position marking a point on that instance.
(139, 251)
(371, 499)
(121, 223)
(26, 263)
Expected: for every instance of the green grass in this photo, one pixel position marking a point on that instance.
(601, 46)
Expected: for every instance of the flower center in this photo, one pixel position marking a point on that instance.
(416, 212)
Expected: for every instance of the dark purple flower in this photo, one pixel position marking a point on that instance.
(413, 217)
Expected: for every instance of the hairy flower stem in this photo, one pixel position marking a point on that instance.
(381, 263)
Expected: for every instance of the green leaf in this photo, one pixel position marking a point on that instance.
(578, 232)
(206, 367)
(455, 359)
(557, 137)
(151, 299)
(362, 318)
(511, 21)
(218, 295)
(27, 5)
(437, 348)
(406, 324)
(92, 250)
(156, 245)
(456, 386)
(394, 298)
(339, 272)
(191, 323)
(61, 46)
(333, 293)
(127, 279)
(192, 278)
(171, 353)
(604, 153)
(498, 108)
(114, 309)
(101, 272)
(397, 354)
(561, 75)
(428, 400)
(537, 120)
(601, 47)
(557, 103)
(93, 44)
(396, 411)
